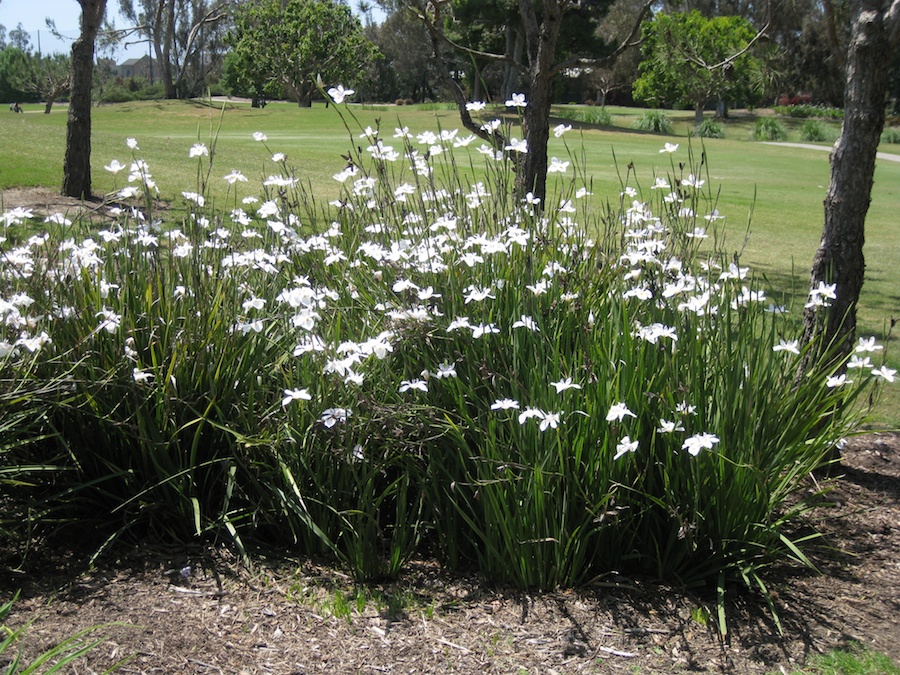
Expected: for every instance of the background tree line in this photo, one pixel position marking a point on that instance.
(203, 45)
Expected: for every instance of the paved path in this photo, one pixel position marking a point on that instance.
(881, 155)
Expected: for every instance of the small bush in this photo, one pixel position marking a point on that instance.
(891, 135)
(814, 131)
(809, 110)
(116, 93)
(654, 121)
(600, 116)
(769, 129)
(710, 129)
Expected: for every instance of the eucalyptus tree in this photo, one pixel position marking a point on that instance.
(47, 78)
(838, 268)
(77, 161)
(690, 59)
(186, 37)
(558, 37)
(294, 43)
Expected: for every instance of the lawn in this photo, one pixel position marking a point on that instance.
(771, 196)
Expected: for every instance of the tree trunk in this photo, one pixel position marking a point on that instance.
(167, 75)
(48, 106)
(77, 163)
(541, 43)
(839, 259)
(698, 111)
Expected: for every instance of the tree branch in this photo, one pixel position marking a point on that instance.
(498, 58)
(731, 59)
(459, 96)
(628, 42)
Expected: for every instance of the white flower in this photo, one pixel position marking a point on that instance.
(625, 445)
(132, 143)
(58, 219)
(528, 413)
(867, 345)
(332, 416)
(787, 346)
(278, 157)
(445, 370)
(667, 427)
(505, 404)
(198, 150)
(670, 148)
(527, 322)
(338, 93)
(696, 443)
(885, 373)
(516, 101)
(259, 136)
(692, 181)
(476, 106)
(235, 176)
(406, 385)
(141, 376)
(549, 420)
(114, 166)
(560, 129)
(563, 385)
(837, 381)
(557, 166)
(857, 362)
(685, 408)
(483, 329)
(618, 412)
(515, 145)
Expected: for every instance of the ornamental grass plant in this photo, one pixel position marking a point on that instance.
(540, 390)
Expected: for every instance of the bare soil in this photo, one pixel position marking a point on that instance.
(291, 617)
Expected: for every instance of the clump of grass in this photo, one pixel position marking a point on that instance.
(815, 131)
(854, 660)
(810, 110)
(769, 129)
(590, 115)
(363, 377)
(891, 135)
(654, 121)
(710, 128)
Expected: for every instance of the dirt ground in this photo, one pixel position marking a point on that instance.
(202, 612)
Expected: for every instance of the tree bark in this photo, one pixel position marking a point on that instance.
(166, 65)
(77, 163)
(839, 259)
(540, 40)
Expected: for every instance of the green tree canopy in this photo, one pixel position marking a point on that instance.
(46, 78)
(13, 61)
(290, 43)
(690, 59)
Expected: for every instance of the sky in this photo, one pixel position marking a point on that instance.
(67, 13)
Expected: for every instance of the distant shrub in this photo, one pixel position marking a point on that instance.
(809, 110)
(710, 128)
(654, 121)
(769, 129)
(433, 106)
(116, 93)
(814, 131)
(891, 135)
(600, 116)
